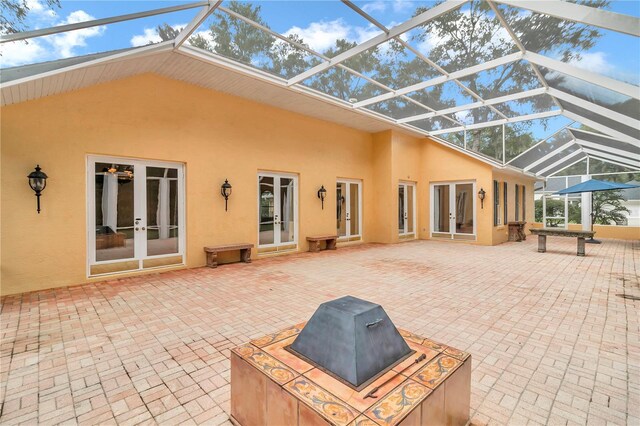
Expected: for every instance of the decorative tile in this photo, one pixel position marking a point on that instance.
(436, 371)
(273, 368)
(409, 365)
(278, 351)
(323, 402)
(410, 336)
(386, 383)
(276, 337)
(363, 420)
(434, 345)
(456, 353)
(399, 403)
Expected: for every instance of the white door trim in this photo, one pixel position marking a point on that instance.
(276, 205)
(452, 207)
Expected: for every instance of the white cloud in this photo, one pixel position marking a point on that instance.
(593, 61)
(51, 47)
(322, 35)
(376, 6)
(18, 52)
(400, 6)
(64, 43)
(150, 36)
(39, 11)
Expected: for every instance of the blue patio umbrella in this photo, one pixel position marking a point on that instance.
(594, 185)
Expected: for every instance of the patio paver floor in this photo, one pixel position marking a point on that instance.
(551, 339)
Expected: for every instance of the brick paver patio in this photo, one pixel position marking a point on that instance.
(551, 337)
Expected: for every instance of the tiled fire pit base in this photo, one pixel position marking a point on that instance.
(272, 386)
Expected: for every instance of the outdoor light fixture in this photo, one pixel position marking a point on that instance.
(225, 191)
(481, 195)
(37, 182)
(322, 193)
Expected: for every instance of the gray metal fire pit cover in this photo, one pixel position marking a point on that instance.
(351, 338)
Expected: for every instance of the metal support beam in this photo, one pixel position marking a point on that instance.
(97, 22)
(583, 14)
(498, 122)
(591, 77)
(195, 23)
(562, 160)
(474, 105)
(549, 155)
(541, 142)
(443, 79)
(613, 157)
(601, 128)
(408, 25)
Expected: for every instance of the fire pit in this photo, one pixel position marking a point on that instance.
(348, 365)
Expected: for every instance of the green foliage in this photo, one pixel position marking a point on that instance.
(14, 13)
(608, 208)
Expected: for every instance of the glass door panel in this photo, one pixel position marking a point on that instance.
(341, 213)
(441, 212)
(354, 209)
(162, 228)
(401, 209)
(114, 211)
(287, 201)
(453, 217)
(464, 208)
(135, 215)
(406, 210)
(267, 210)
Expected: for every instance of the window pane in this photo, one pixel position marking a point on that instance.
(354, 213)
(464, 208)
(162, 211)
(341, 217)
(266, 200)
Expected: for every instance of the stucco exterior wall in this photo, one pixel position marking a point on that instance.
(217, 137)
(501, 233)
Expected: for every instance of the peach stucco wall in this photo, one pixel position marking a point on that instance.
(501, 233)
(217, 137)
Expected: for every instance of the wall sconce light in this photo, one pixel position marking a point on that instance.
(225, 191)
(37, 182)
(481, 195)
(322, 193)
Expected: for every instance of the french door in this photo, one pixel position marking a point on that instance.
(407, 210)
(349, 208)
(135, 216)
(453, 210)
(277, 212)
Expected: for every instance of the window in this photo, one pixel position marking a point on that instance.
(517, 215)
(506, 218)
(496, 203)
(524, 201)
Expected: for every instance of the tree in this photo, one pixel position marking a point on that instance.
(608, 208)
(14, 12)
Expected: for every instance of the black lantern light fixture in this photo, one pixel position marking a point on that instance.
(481, 195)
(37, 182)
(322, 194)
(225, 191)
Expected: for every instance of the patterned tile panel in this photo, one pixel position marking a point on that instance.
(434, 345)
(456, 353)
(436, 371)
(410, 336)
(323, 402)
(273, 368)
(276, 337)
(363, 421)
(397, 404)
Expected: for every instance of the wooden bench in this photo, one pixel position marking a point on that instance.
(516, 231)
(212, 253)
(543, 233)
(314, 242)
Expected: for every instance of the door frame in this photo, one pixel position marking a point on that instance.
(278, 175)
(413, 186)
(139, 203)
(452, 203)
(358, 182)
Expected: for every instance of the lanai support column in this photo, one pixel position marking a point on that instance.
(585, 203)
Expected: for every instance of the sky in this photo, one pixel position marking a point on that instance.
(320, 23)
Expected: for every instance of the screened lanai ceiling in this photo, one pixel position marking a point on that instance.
(534, 85)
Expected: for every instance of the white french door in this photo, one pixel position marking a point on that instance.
(453, 210)
(407, 210)
(349, 209)
(136, 215)
(277, 211)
